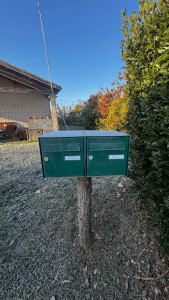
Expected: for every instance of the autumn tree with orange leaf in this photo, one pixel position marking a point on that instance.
(113, 106)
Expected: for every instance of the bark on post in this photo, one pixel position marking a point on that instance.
(54, 112)
(84, 189)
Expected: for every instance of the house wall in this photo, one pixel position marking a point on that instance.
(18, 107)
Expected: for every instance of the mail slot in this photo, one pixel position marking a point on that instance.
(84, 153)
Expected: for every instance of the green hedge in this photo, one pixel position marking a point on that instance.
(145, 51)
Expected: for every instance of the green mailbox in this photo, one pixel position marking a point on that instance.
(107, 153)
(84, 153)
(62, 154)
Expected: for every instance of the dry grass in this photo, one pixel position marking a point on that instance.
(40, 253)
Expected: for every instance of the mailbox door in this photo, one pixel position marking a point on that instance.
(107, 156)
(62, 157)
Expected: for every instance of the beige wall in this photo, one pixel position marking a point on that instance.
(18, 107)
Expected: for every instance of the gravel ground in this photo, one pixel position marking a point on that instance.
(40, 254)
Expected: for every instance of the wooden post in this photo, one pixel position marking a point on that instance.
(84, 189)
(54, 112)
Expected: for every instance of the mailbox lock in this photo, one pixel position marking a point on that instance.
(90, 157)
(46, 158)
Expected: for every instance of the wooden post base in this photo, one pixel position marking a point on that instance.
(84, 189)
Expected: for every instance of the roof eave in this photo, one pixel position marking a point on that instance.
(23, 77)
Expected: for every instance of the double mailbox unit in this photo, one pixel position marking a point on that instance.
(84, 153)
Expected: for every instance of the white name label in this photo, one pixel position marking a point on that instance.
(116, 156)
(72, 157)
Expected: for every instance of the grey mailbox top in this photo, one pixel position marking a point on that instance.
(83, 133)
(104, 133)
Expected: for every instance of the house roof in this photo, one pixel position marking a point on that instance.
(34, 84)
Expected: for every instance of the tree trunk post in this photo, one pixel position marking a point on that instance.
(54, 112)
(84, 189)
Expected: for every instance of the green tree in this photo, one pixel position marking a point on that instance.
(73, 115)
(145, 51)
(89, 114)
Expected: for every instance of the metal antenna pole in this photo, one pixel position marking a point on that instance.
(45, 46)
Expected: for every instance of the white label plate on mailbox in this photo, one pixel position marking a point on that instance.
(116, 156)
(72, 158)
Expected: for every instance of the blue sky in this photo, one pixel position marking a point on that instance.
(83, 41)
